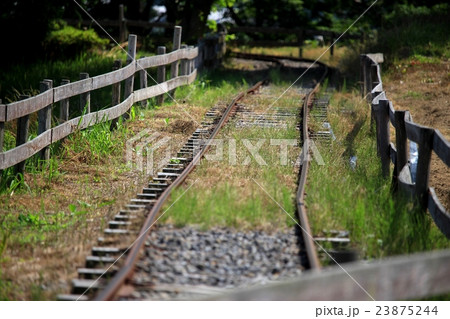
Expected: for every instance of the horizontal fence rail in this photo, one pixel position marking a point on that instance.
(396, 278)
(428, 140)
(21, 110)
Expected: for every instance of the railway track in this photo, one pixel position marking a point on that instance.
(109, 269)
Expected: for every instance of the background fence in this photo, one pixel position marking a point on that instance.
(427, 139)
(297, 35)
(183, 63)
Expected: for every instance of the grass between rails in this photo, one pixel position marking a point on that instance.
(224, 191)
(359, 200)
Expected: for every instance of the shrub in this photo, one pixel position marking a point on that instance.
(410, 30)
(67, 41)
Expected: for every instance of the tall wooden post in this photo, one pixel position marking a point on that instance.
(332, 44)
(115, 92)
(45, 119)
(400, 140)
(183, 64)
(23, 124)
(176, 45)
(191, 62)
(423, 166)
(85, 98)
(161, 75)
(143, 82)
(300, 43)
(122, 25)
(131, 56)
(381, 112)
(64, 106)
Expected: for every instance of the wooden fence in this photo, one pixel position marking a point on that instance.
(300, 35)
(183, 71)
(404, 277)
(427, 140)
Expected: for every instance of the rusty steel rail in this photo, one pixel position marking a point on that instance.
(126, 271)
(111, 290)
(311, 251)
(301, 209)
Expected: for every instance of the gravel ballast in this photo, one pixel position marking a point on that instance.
(187, 263)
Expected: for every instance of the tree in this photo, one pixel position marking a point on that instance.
(191, 14)
(24, 25)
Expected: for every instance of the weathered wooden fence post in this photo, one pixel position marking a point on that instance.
(176, 45)
(115, 92)
(425, 143)
(381, 112)
(131, 56)
(64, 106)
(400, 140)
(191, 66)
(161, 75)
(116, 86)
(374, 73)
(85, 98)
(332, 44)
(45, 119)
(23, 124)
(143, 82)
(183, 63)
(300, 43)
(122, 25)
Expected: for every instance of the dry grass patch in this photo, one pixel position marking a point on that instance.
(225, 192)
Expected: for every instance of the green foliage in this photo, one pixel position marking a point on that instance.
(210, 87)
(10, 182)
(415, 31)
(6, 288)
(68, 41)
(212, 25)
(24, 79)
(94, 144)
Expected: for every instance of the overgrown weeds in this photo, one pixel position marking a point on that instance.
(358, 199)
(240, 189)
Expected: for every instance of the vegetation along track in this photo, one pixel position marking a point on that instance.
(109, 271)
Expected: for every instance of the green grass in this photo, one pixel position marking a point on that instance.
(360, 200)
(226, 193)
(413, 94)
(93, 145)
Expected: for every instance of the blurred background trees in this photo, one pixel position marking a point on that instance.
(31, 29)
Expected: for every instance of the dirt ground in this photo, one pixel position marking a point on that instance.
(424, 90)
